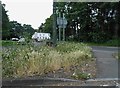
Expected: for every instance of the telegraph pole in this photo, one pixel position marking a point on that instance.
(54, 24)
(63, 28)
(59, 28)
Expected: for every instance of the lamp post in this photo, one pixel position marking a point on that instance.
(54, 24)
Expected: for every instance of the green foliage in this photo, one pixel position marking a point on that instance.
(8, 43)
(28, 60)
(113, 42)
(47, 27)
(5, 23)
(28, 30)
(98, 37)
(89, 21)
(17, 30)
(71, 46)
(82, 76)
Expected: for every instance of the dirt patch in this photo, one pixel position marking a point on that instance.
(86, 67)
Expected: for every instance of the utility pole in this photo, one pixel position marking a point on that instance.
(63, 28)
(54, 24)
(59, 28)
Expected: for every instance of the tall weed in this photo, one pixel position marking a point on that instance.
(29, 60)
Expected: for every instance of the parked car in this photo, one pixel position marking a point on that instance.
(15, 39)
(21, 40)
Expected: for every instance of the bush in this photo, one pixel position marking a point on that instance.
(113, 42)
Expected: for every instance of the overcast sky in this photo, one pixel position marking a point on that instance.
(32, 12)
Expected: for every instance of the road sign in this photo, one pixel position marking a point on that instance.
(64, 21)
(61, 22)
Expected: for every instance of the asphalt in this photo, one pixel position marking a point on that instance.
(107, 76)
(107, 65)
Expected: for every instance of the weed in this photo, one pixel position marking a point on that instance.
(28, 60)
(81, 75)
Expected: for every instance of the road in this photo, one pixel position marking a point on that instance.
(107, 65)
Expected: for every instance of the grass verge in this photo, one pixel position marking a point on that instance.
(117, 55)
(29, 60)
(114, 42)
(8, 43)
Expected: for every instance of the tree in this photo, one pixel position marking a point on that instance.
(16, 29)
(88, 21)
(94, 22)
(47, 27)
(28, 28)
(5, 24)
(41, 28)
(28, 31)
(0, 19)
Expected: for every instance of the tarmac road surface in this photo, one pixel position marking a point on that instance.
(107, 65)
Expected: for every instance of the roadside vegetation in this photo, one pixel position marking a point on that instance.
(91, 23)
(113, 42)
(29, 60)
(8, 43)
(117, 55)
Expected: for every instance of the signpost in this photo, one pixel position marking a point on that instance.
(61, 22)
(64, 26)
(54, 24)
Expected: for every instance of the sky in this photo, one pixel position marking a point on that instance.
(33, 12)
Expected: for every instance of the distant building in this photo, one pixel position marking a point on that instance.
(41, 36)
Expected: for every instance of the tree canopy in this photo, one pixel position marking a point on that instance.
(5, 23)
(17, 30)
(88, 21)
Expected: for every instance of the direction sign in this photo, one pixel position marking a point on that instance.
(61, 22)
(64, 21)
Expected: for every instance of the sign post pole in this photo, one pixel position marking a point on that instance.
(54, 24)
(64, 25)
(62, 22)
(59, 28)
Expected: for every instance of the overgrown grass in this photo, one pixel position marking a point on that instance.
(8, 43)
(28, 60)
(117, 55)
